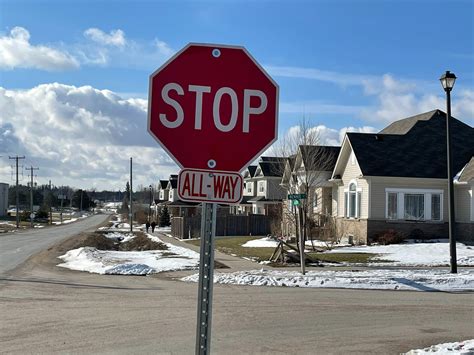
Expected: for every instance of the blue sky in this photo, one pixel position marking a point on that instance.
(354, 65)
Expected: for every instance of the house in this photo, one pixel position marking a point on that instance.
(308, 172)
(250, 188)
(262, 191)
(168, 195)
(397, 179)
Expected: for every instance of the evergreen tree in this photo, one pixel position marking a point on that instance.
(164, 217)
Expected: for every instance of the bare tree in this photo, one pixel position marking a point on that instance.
(307, 171)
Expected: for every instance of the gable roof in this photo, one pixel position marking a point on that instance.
(251, 169)
(163, 184)
(406, 124)
(272, 168)
(319, 157)
(467, 173)
(420, 152)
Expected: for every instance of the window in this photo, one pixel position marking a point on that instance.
(352, 201)
(414, 207)
(392, 206)
(414, 204)
(249, 187)
(315, 201)
(436, 207)
(261, 186)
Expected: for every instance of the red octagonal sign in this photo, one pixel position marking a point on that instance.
(213, 107)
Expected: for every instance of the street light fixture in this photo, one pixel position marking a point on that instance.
(447, 81)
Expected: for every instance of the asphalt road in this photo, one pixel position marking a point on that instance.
(50, 310)
(16, 247)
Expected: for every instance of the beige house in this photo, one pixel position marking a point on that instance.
(308, 172)
(396, 179)
(262, 191)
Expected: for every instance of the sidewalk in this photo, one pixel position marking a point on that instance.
(233, 263)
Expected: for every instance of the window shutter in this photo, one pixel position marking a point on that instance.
(346, 203)
(359, 194)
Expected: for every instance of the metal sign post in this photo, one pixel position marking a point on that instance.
(296, 201)
(206, 278)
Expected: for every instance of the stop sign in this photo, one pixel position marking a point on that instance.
(213, 107)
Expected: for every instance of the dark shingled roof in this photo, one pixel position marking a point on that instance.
(174, 183)
(163, 184)
(468, 172)
(274, 159)
(251, 169)
(272, 168)
(403, 126)
(420, 152)
(319, 157)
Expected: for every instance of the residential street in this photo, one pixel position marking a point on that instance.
(16, 247)
(46, 309)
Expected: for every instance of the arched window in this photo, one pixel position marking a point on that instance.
(352, 201)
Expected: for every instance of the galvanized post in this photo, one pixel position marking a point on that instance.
(206, 278)
(301, 238)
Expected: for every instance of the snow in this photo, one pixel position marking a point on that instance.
(130, 262)
(415, 254)
(414, 280)
(67, 221)
(261, 243)
(462, 347)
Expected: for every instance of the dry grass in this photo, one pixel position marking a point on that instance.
(141, 242)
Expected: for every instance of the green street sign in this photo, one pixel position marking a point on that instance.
(296, 196)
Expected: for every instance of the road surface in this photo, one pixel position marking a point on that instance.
(51, 310)
(16, 247)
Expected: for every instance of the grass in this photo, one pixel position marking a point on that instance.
(233, 245)
(352, 258)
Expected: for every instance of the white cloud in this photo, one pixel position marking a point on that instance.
(397, 99)
(98, 48)
(16, 51)
(80, 135)
(115, 38)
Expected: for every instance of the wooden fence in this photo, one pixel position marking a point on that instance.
(190, 227)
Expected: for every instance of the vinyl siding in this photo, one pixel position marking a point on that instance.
(379, 184)
(463, 203)
(352, 172)
(274, 190)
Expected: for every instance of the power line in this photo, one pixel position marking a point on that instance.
(16, 189)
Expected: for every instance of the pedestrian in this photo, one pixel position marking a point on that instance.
(153, 225)
(147, 225)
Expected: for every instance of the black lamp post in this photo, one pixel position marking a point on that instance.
(447, 81)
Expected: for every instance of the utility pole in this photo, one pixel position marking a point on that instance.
(16, 190)
(50, 203)
(32, 216)
(81, 200)
(131, 194)
(62, 199)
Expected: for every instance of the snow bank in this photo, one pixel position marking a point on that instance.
(415, 254)
(463, 347)
(130, 262)
(418, 280)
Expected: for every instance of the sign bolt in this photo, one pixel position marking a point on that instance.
(211, 163)
(216, 53)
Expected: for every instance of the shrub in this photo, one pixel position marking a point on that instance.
(390, 236)
(417, 234)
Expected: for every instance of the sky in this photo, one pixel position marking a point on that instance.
(74, 74)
